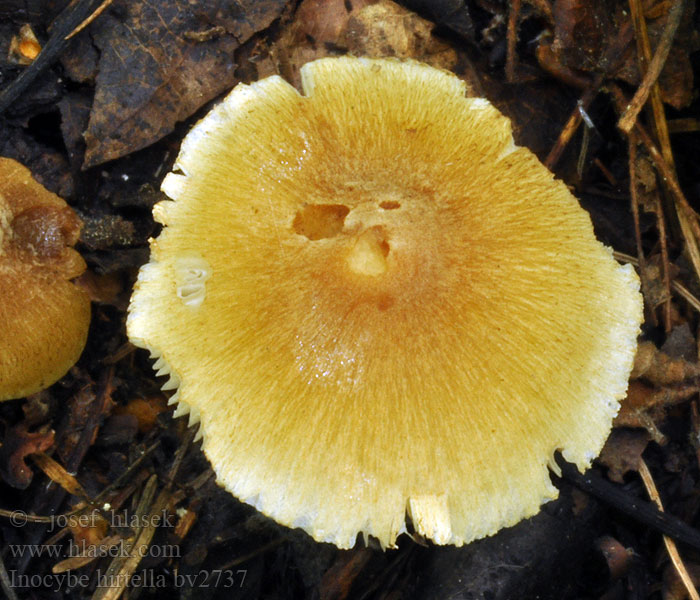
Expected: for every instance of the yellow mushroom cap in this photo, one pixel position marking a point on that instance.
(44, 318)
(376, 304)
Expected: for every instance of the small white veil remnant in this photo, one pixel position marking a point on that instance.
(191, 275)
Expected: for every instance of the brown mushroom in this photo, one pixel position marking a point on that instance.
(376, 304)
(44, 318)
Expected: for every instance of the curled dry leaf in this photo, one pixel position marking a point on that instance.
(363, 28)
(622, 452)
(660, 369)
(645, 406)
(44, 318)
(17, 444)
(387, 29)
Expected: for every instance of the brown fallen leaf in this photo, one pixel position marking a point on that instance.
(582, 29)
(660, 369)
(103, 289)
(622, 452)
(17, 444)
(655, 291)
(387, 29)
(618, 558)
(453, 14)
(681, 343)
(151, 74)
(376, 29)
(585, 28)
(79, 412)
(645, 406)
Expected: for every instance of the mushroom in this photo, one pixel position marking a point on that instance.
(44, 318)
(376, 305)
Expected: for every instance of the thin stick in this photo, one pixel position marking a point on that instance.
(661, 226)
(634, 205)
(687, 217)
(98, 11)
(512, 38)
(606, 172)
(670, 544)
(644, 55)
(640, 510)
(6, 583)
(629, 118)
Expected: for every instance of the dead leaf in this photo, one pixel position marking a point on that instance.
(581, 32)
(387, 29)
(645, 406)
(623, 451)
(453, 14)
(37, 408)
(151, 76)
(17, 444)
(376, 29)
(584, 29)
(325, 21)
(680, 343)
(660, 369)
(103, 289)
(676, 79)
(618, 558)
(655, 291)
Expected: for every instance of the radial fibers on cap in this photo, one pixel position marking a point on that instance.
(378, 306)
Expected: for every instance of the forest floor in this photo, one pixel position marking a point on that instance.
(97, 462)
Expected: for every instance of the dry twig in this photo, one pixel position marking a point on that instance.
(512, 38)
(97, 12)
(687, 217)
(629, 118)
(669, 543)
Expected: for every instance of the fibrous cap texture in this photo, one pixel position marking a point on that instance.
(44, 318)
(378, 306)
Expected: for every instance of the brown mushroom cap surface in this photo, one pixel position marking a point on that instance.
(44, 318)
(376, 304)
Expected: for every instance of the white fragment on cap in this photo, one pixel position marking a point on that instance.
(192, 273)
